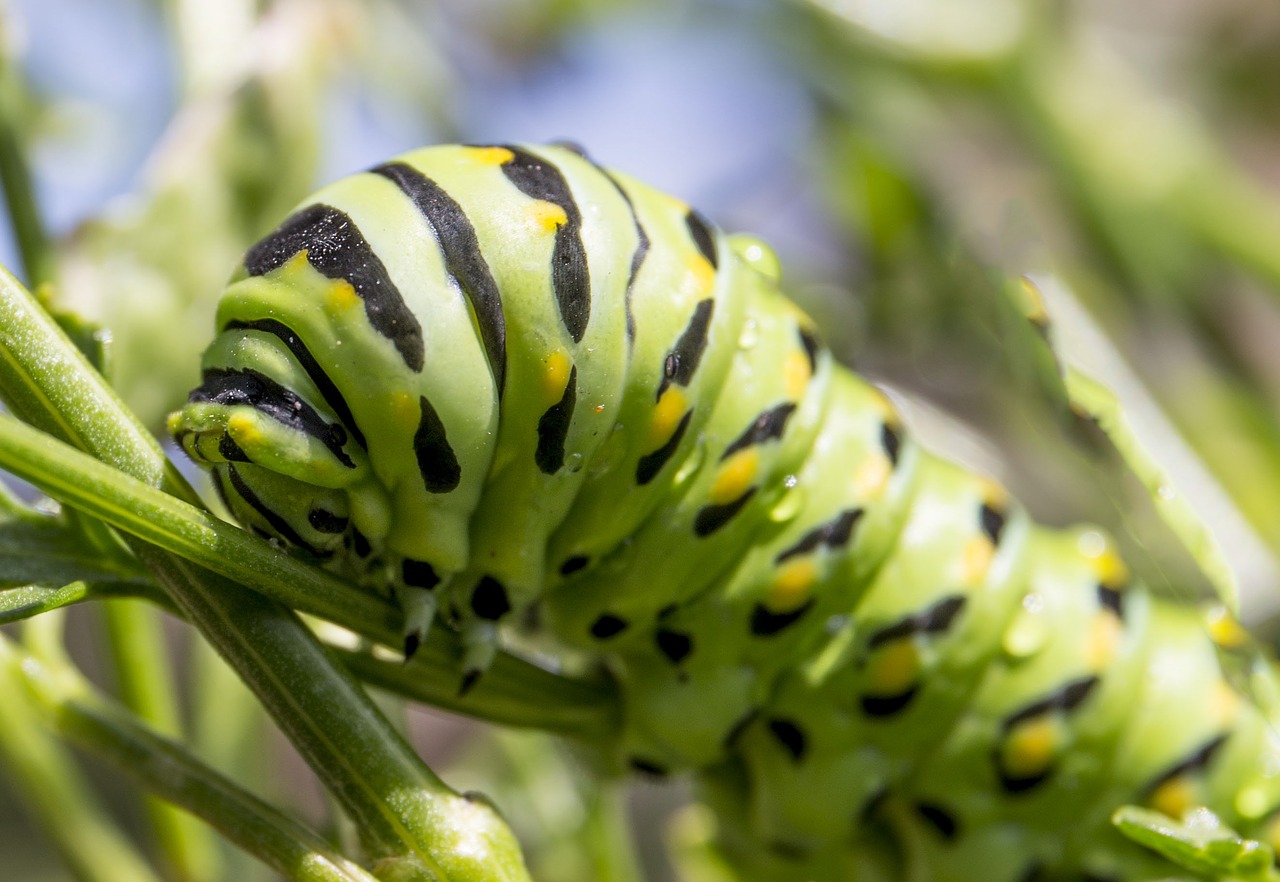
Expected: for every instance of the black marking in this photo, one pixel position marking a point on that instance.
(418, 574)
(573, 564)
(462, 258)
(811, 347)
(940, 819)
(674, 645)
(230, 450)
(992, 522)
(667, 611)
(436, 459)
(281, 527)
(323, 383)
(1066, 698)
(836, 533)
(790, 736)
(712, 517)
(540, 179)
(703, 236)
(647, 767)
(766, 623)
(324, 521)
(637, 256)
(891, 441)
(1199, 760)
(553, 428)
(933, 619)
(336, 248)
(767, 426)
(608, 626)
(250, 388)
(682, 361)
(360, 544)
(489, 599)
(887, 705)
(651, 463)
(1112, 599)
(411, 643)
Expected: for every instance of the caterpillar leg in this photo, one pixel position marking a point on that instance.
(420, 607)
(480, 645)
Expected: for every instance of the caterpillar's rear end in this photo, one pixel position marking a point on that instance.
(486, 378)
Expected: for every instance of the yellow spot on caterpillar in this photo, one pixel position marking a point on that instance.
(734, 476)
(704, 274)
(795, 373)
(893, 669)
(1224, 629)
(1103, 640)
(243, 428)
(1174, 797)
(975, 560)
(1030, 747)
(341, 297)
(791, 586)
(490, 155)
(548, 215)
(555, 376)
(667, 414)
(872, 476)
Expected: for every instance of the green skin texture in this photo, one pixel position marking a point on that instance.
(1031, 617)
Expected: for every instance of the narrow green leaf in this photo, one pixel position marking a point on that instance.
(1201, 843)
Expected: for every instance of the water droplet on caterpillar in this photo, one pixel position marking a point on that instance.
(791, 502)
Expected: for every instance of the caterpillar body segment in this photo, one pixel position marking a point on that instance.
(495, 378)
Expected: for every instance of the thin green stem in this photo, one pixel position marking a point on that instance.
(166, 769)
(50, 781)
(139, 659)
(15, 176)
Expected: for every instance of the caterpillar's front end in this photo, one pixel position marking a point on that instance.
(316, 416)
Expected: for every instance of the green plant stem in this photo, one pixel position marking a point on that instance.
(51, 783)
(137, 649)
(406, 813)
(15, 175)
(512, 692)
(515, 695)
(81, 715)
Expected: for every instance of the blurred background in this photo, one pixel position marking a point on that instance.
(904, 157)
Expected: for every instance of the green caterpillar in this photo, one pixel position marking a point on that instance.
(493, 378)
